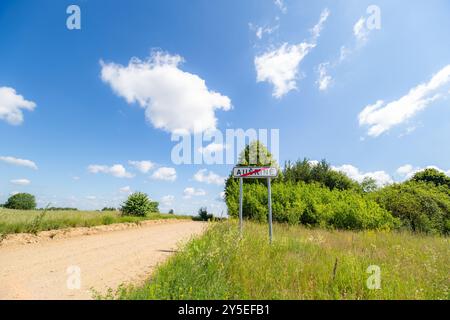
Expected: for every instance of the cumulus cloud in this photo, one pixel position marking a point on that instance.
(174, 100)
(208, 177)
(21, 182)
(167, 200)
(407, 171)
(382, 116)
(143, 166)
(12, 105)
(116, 170)
(19, 162)
(192, 192)
(381, 177)
(280, 66)
(126, 190)
(165, 173)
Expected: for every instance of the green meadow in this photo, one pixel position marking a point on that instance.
(32, 221)
(302, 263)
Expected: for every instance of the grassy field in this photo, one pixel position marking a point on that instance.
(17, 221)
(301, 264)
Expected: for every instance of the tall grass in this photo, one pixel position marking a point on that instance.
(18, 221)
(301, 264)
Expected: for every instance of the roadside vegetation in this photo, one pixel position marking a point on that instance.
(302, 263)
(314, 194)
(137, 208)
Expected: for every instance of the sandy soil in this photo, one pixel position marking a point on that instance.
(53, 265)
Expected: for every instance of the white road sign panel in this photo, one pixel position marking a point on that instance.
(255, 172)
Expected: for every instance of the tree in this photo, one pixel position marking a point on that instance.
(320, 172)
(432, 175)
(21, 201)
(369, 185)
(256, 154)
(171, 211)
(203, 214)
(139, 204)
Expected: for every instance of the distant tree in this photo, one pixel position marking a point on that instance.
(139, 204)
(203, 214)
(109, 209)
(171, 211)
(369, 185)
(21, 201)
(432, 175)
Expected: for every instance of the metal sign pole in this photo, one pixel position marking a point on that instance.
(240, 204)
(270, 208)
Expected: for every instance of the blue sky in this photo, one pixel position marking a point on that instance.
(73, 105)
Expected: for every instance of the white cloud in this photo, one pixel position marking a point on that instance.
(12, 104)
(381, 116)
(192, 192)
(381, 177)
(166, 174)
(280, 66)
(174, 100)
(407, 171)
(116, 170)
(221, 196)
(19, 162)
(91, 197)
(324, 80)
(280, 4)
(76, 178)
(361, 37)
(261, 31)
(360, 31)
(208, 177)
(212, 148)
(126, 190)
(317, 29)
(167, 200)
(21, 182)
(143, 166)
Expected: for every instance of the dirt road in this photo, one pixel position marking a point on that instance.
(54, 269)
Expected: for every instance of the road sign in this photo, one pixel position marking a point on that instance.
(255, 172)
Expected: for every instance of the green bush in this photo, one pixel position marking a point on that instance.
(138, 204)
(321, 172)
(421, 206)
(310, 204)
(21, 201)
(437, 177)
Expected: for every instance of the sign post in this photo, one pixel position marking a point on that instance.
(269, 190)
(255, 173)
(241, 191)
